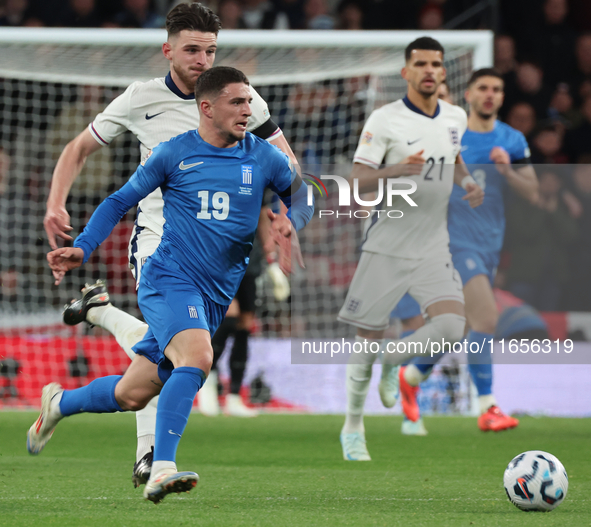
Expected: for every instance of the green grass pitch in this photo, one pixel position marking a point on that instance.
(281, 470)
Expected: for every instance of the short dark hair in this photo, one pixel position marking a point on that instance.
(214, 80)
(193, 17)
(423, 43)
(484, 72)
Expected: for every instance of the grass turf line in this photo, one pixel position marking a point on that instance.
(287, 470)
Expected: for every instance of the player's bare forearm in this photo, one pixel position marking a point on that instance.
(460, 170)
(368, 178)
(283, 145)
(69, 165)
(523, 180)
(285, 236)
(63, 260)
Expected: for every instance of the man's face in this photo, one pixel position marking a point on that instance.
(424, 71)
(485, 96)
(230, 112)
(190, 54)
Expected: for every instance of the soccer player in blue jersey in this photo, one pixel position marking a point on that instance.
(498, 157)
(212, 180)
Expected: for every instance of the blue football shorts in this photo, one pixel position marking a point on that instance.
(171, 303)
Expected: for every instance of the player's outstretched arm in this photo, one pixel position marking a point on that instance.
(368, 177)
(69, 165)
(474, 193)
(522, 180)
(100, 225)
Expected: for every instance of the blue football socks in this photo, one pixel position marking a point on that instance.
(98, 397)
(480, 364)
(174, 407)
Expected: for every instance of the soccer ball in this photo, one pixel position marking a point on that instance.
(535, 481)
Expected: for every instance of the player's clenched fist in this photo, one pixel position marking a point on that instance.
(474, 194)
(63, 260)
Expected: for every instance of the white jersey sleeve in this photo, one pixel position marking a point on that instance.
(260, 116)
(374, 142)
(115, 118)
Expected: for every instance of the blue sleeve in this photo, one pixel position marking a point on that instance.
(147, 178)
(105, 217)
(288, 185)
(520, 149)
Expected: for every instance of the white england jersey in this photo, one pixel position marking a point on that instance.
(391, 134)
(156, 111)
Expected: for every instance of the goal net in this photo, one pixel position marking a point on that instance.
(320, 88)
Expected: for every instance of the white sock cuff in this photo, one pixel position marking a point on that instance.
(485, 402)
(162, 466)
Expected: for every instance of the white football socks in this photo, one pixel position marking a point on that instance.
(158, 467)
(127, 329)
(485, 402)
(357, 383)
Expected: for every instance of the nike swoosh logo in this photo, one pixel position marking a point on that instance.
(464, 148)
(174, 433)
(182, 166)
(148, 117)
(412, 142)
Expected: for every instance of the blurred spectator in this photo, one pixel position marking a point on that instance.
(350, 15)
(430, 17)
(14, 13)
(263, 14)
(316, 14)
(581, 78)
(580, 279)
(530, 88)
(538, 239)
(522, 117)
(230, 14)
(505, 54)
(547, 147)
(577, 142)
(294, 10)
(562, 107)
(138, 14)
(552, 42)
(506, 64)
(81, 13)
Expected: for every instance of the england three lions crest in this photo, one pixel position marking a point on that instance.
(454, 136)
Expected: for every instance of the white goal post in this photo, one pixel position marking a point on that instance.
(57, 53)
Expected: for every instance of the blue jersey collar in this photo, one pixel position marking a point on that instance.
(412, 107)
(175, 89)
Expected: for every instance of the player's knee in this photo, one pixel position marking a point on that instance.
(131, 402)
(449, 326)
(486, 323)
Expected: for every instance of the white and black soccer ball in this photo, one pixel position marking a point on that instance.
(535, 481)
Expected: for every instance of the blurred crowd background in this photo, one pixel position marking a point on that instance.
(542, 49)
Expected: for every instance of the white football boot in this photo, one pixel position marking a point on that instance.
(354, 447)
(41, 431)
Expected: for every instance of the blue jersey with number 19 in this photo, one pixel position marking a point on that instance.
(483, 228)
(212, 201)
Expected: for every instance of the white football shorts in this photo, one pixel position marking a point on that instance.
(380, 282)
(142, 244)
